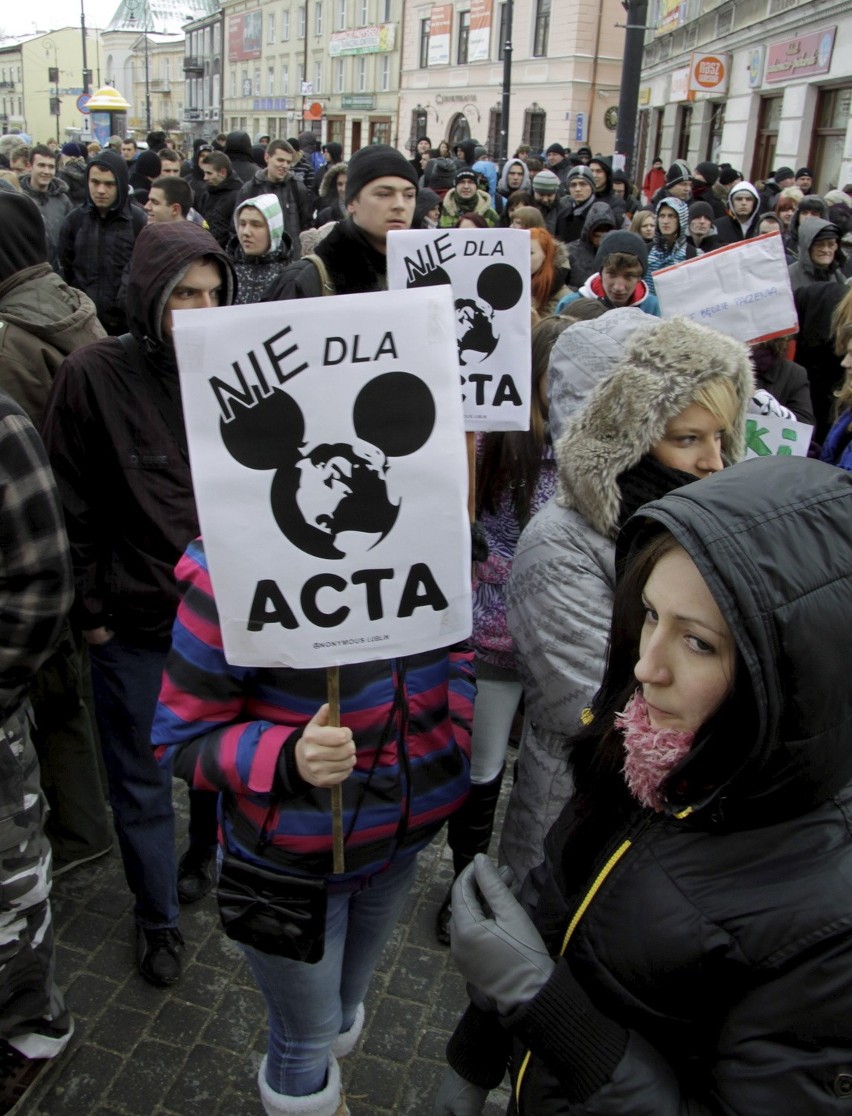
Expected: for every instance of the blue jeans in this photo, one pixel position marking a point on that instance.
(126, 684)
(310, 1005)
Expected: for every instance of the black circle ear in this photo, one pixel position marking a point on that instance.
(266, 435)
(436, 278)
(395, 412)
(500, 285)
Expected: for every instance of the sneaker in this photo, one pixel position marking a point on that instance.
(18, 1075)
(195, 874)
(158, 954)
(61, 865)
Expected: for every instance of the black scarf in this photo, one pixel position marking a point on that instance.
(647, 480)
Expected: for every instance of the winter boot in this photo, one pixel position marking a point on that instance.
(327, 1102)
(345, 1042)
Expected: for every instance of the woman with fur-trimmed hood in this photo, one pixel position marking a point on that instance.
(330, 204)
(638, 407)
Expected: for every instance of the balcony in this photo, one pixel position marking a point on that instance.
(193, 65)
(193, 114)
(161, 85)
(7, 86)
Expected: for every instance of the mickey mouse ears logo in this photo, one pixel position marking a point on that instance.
(333, 498)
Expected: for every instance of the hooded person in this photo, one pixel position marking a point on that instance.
(514, 176)
(145, 169)
(601, 169)
(330, 203)
(744, 219)
(466, 198)
(427, 212)
(42, 318)
(260, 248)
(807, 209)
(624, 391)
(96, 240)
(381, 191)
(191, 169)
(332, 154)
(821, 259)
(670, 244)
(115, 436)
(580, 183)
(238, 150)
(620, 263)
(690, 948)
(440, 176)
(582, 252)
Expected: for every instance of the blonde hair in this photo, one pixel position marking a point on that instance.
(719, 397)
(93, 148)
(529, 217)
(10, 177)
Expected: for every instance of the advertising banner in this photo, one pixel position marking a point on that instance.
(440, 30)
(245, 36)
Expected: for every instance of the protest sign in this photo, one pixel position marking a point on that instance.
(329, 466)
(489, 272)
(773, 436)
(742, 290)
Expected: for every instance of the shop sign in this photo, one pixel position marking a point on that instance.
(709, 73)
(755, 66)
(800, 57)
(680, 85)
(363, 40)
(358, 101)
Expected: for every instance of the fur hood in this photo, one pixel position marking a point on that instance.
(646, 373)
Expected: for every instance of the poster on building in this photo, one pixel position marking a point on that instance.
(363, 40)
(479, 37)
(245, 36)
(440, 30)
(330, 472)
(671, 15)
(709, 73)
(742, 290)
(679, 85)
(489, 273)
(800, 57)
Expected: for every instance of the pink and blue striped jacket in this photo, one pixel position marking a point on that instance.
(223, 728)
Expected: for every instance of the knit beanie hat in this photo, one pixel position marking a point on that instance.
(72, 149)
(545, 182)
(782, 173)
(377, 161)
(464, 173)
(556, 149)
(678, 172)
(335, 151)
(804, 170)
(584, 151)
(24, 241)
(270, 208)
(727, 175)
(440, 174)
(148, 165)
(581, 172)
(630, 243)
(812, 203)
(709, 172)
(701, 209)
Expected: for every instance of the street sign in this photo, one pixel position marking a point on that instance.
(83, 102)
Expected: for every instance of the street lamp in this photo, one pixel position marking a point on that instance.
(132, 5)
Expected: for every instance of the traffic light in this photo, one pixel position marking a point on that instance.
(53, 75)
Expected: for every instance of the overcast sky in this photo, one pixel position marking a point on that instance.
(20, 18)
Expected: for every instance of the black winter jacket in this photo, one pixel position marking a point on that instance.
(111, 432)
(711, 970)
(216, 204)
(293, 199)
(353, 264)
(95, 250)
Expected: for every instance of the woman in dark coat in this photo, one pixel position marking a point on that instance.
(691, 948)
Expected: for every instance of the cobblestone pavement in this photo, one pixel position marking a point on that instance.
(194, 1050)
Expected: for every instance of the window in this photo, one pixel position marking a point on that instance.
(285, 25)
(302, 18)
(362, 74)
(542, 28)
(717, 126)
(362, 13)
(341, 15)
(270, 80)
(233, 83)
(534, 122)
(317, 77)
(501, 34)
(384, 73)
(684, 125)
(380, 131)
(832, 117)
(271, 126)
(318, 19)
(270, 27)
(300, 76)
(217, 38)
(424, 43)
(338, 75)
(386, 11)
(285, 78)
(257, 82)
(492, 145)
(464, 38)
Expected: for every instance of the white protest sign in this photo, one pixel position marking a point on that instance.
(330, 472)
(742, 290)
(489, 272)
(773, 436)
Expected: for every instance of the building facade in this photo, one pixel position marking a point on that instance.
(202, 70)
(328, 66)
(756, 83)
(566, 73)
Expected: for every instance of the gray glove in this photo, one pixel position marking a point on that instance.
(457, 1097)
(494, 943)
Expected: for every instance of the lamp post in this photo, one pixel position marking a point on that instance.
(132, 5)
(87, 73)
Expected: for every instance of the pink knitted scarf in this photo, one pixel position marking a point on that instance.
(649, 753)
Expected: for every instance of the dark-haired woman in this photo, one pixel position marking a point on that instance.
(515, 476)
(691, 948)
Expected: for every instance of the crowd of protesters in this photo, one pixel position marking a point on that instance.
(670, 927)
